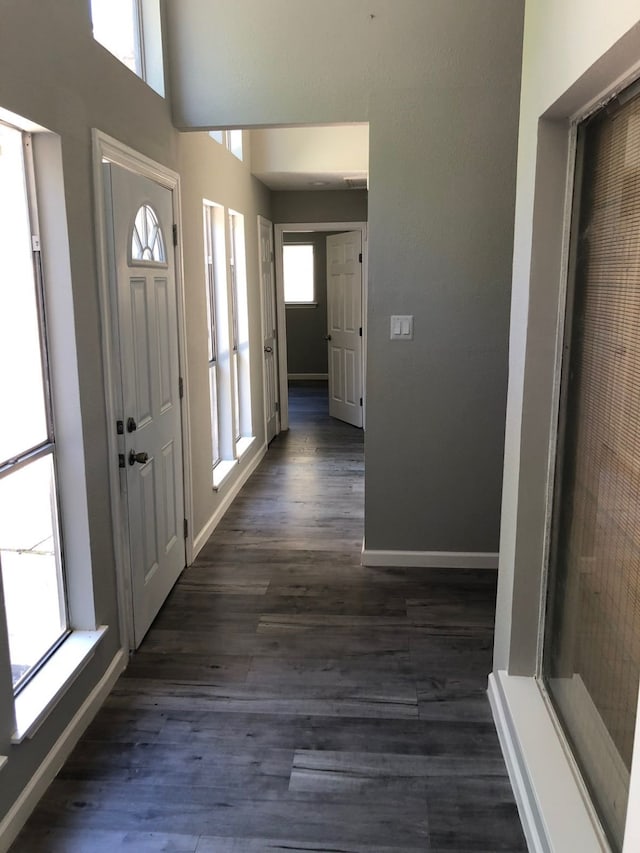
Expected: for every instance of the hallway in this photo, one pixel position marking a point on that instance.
(287, 698)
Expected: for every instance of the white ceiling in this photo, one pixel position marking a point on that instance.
(311, 158)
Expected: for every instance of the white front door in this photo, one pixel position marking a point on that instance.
(344, 333)
(140, 219)
(270, 341)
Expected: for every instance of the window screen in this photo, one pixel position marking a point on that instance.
(592, 646)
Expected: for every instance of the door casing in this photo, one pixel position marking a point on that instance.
(107, 149)
(279, 231)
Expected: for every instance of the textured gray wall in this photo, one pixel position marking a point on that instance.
(321, 206)
(438, 83)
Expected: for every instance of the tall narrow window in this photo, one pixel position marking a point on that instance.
(234, 325)
(240, 329)
(209, 238)
(592, 646)
(30, 540)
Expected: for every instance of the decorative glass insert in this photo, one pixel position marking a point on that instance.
(147, 242)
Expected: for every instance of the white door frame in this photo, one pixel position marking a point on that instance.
(262, 220)
(281, 310)
(107, 149)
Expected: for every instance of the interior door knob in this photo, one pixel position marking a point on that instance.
(327, 337)
(141, 457)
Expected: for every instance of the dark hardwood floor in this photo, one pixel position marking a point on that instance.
(287, 698)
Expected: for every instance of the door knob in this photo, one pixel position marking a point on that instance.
(141, 457)
(327, 337)
(132, 426)
(268, 349)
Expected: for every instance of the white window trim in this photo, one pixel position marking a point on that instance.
(222, 472)
(43, 691)
(40, 694)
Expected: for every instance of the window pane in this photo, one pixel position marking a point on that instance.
(298, 273)
(235, 143)
(21, 384)
(213, 392)
(30, 559)
(147, 242)
(115, 26)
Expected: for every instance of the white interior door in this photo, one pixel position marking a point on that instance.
(140, 216)
(270, 340)
(344, 319)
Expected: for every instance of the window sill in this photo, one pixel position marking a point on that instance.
(222, 471)
(243, 444)
(36, 700)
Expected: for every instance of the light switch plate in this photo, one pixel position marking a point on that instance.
(401, 327)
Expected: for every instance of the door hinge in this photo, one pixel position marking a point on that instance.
(360, 257)
(360, 331)
(180, 387)
(273, 257)
(35, 243)
(121, 462)
(186, 528)
(360, 400)
(277, 406)
(175, 235)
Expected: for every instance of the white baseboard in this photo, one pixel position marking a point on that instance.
(309, 376)
(431, 559)
(554, 810)
(244, 473)
(29, 798)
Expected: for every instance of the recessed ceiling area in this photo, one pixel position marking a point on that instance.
(332, 157)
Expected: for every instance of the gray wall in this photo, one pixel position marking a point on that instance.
(321, 206)
(53, 73)
(439, 84)
(307, 324)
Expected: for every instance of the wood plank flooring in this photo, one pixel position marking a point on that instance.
(287, 698)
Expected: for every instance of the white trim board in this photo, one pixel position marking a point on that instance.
(555, 813)
(309, 377)
(200, 539)
(107, 149)
(30, 796)
(431, 559)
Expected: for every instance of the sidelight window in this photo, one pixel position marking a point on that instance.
(228, 338)
(31, 556)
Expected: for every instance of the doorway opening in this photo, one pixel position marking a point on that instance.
(324, 338)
